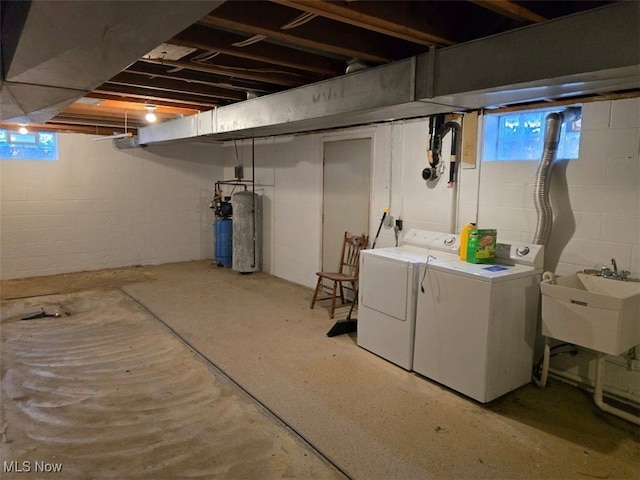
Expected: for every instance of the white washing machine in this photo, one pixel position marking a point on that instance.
(476, 323)
(388, 286)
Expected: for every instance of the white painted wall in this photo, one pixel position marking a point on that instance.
(100, 207)
(596, 198)
(596, 201)
(289, 176)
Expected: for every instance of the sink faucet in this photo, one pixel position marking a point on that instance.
(606, 272)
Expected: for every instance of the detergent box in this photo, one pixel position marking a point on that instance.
(481, 246)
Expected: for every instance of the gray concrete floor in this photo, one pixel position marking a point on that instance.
(107, 391)
(368, 416)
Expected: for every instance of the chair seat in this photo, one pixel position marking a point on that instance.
(337, 276)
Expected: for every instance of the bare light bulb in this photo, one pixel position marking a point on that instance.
(23, 130)
(150, 117)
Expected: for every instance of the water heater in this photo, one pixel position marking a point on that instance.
(247, 228)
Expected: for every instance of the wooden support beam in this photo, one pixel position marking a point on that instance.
(276, 78)
(350, 13)
(283, 36)
(510, 9)
(211, 40)
(176, 85)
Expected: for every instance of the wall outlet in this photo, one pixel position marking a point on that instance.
(388, 221)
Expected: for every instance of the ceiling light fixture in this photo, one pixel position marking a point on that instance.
(23, 129)
(150, 116)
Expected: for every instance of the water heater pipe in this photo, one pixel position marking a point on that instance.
(541, 200)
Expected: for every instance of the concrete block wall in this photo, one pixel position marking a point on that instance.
(595, 198)
(289, 175)
(100, 207)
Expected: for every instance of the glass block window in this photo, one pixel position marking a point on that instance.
(520, 135)
(28, 146)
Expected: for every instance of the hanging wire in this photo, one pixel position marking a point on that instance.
(426, 267)
(250, 41)
(300, 20)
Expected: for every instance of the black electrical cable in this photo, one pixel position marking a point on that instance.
(426, 267)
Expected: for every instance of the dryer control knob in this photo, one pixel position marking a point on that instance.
(449, 241)
(522, 251)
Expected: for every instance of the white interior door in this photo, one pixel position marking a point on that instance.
(346, 180)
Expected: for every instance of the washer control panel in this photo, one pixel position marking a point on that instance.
(443, 242)
(521, 254)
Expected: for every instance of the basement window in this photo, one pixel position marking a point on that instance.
(519, 135)
(32, 145)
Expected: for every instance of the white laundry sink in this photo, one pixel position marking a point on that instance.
(591, 311)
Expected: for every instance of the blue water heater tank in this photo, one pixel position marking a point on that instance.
(223, 229)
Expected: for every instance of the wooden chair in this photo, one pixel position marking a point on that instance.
(347, 272)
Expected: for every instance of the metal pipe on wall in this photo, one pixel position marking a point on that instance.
(541, 200)
(456, 148)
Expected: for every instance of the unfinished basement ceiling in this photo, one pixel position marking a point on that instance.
(245, 49)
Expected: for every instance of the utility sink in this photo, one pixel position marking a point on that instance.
(595, 312)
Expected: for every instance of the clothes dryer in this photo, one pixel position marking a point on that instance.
(388, 286)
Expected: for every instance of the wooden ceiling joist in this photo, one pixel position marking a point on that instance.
(208, 39)
(155, 97)
(282, 36)
(190, 76)
(276, 78)
(510, 9)
(181, 86)
(182, 107)
(350, 14)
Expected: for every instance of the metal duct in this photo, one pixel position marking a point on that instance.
(53, 53)
(553, 124)
(125, 143)
(505, 69)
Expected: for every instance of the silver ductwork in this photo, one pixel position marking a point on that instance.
(44, 73)
(553, 124)
(128, 142)
(53, 53)
(505, 69)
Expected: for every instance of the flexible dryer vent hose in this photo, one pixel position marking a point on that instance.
(543, 175)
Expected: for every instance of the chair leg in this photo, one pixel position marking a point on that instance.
(341, 293)
(333, 300)
(315, 294)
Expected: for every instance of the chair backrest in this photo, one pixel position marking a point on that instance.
(350, 257)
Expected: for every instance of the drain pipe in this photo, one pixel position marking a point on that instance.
(553, 125)
(456, 148)
(597, 394)
(436, 122)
